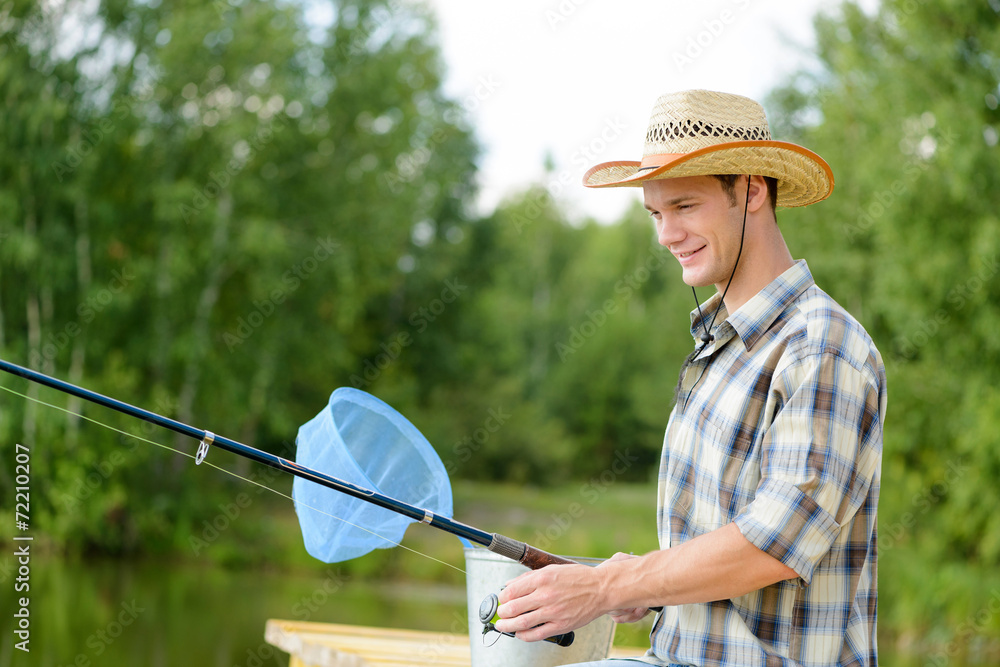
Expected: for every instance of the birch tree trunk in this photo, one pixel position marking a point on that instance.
(262, 378)
(32, 315)
(200, 324)
(3, 340)
(84, 277)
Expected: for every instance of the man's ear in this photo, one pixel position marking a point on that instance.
(758, 194)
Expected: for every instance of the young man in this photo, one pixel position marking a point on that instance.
(769, 476)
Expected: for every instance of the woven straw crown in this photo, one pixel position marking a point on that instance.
(701, 133)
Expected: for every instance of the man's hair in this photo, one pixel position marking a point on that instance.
(729, 187)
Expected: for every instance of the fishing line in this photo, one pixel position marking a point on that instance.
(228, 472)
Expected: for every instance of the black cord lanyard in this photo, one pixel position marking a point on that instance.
(707, 336)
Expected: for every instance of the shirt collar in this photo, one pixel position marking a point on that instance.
(756, 316)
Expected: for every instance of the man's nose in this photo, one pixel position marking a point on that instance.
(668, 232)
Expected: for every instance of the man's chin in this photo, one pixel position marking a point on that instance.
(695, 280)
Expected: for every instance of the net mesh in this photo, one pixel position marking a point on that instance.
(360, 439)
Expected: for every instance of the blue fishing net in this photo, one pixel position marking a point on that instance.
(360, 439)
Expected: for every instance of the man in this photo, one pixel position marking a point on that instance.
(770, 471)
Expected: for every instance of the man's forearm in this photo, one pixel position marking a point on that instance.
(715, 566)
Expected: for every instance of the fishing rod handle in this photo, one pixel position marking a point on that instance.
(536, 559)
(523, 553)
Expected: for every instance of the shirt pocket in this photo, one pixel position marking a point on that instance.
(731, 453)
(690, 503)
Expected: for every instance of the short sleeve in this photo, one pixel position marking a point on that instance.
(820, 455)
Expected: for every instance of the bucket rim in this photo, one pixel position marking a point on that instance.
(481, 553)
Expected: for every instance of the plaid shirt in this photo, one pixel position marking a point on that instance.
(778, 428)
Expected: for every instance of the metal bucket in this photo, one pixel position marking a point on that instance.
(485, 573)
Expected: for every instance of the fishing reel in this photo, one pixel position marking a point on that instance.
(488, 617)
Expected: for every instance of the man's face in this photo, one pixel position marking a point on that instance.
(697, 223)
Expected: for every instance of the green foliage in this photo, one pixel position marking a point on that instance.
(231, 217)
(203, 210)
(561, 331)
(210, 210)
(905, 110)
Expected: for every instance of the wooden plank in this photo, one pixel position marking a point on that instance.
(337, 645)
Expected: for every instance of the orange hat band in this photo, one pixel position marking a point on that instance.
(653, 161)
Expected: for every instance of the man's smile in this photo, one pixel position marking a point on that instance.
(681, 256)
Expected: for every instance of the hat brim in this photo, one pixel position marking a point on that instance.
(803, 176)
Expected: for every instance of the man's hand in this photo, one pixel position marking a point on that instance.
(551, 601)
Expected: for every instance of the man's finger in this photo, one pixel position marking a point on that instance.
(513, 621)
(516, 588)
(536, 634)
(517, 606)
(628, 615)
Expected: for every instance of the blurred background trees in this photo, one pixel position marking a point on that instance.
(220, 212)
(904, 108)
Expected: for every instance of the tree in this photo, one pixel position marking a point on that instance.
(205, 214)
(904, 107)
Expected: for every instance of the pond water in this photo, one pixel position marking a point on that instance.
(120, 613)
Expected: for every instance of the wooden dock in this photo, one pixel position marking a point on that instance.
(336, 645)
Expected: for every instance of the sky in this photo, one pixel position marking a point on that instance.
(576, 80)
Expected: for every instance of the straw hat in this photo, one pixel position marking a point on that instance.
(701, 133)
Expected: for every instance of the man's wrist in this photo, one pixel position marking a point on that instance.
(617, 584)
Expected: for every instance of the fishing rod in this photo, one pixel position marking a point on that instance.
(521, 552)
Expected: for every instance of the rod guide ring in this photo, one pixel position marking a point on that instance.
(203, 447)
